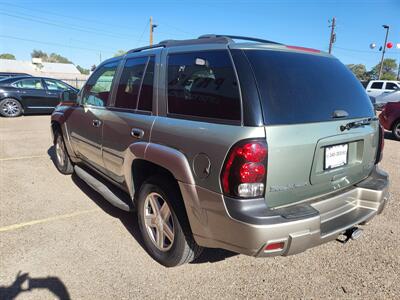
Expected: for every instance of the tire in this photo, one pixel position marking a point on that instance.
(396, 130)
(173, 246)
(61, 160)
(10, 108)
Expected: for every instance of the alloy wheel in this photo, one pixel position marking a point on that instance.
(159, 222)
(11, 108)
(60, 152)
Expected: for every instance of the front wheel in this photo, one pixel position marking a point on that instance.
(10, 107)
(396, 130)
(163, 223)
(62, 161)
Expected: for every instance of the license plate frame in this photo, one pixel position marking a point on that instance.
(336, 156)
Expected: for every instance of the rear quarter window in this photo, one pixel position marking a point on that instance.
(304, 88)
(203, 84)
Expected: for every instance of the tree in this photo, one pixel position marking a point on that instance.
(39, 54)
(360, 71)
(92, 68)
(119, 53)
(83, 70)
(7, 56)
(388, 71)
(53, 57)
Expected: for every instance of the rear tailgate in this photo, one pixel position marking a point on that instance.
(307, 100)
(296, 165)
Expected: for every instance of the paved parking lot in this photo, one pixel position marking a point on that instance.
(59, 238)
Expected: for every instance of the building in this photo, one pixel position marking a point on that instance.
(66, 72)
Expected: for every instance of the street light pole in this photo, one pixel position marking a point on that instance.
(384, 49)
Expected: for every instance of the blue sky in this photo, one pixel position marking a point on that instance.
(81, 30)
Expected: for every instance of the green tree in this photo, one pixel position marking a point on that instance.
(7, 56)
(53, 57)
(39, 54)
(83, 70)
(388, 71)
(119, 53)
(360, 71)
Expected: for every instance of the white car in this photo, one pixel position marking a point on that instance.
(376, 88)
(382, 99)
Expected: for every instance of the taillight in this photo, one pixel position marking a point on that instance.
(381, 144)
(245, 169)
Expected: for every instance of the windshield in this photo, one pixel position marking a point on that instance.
(303, 88)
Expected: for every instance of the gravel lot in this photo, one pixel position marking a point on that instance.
(60, 238)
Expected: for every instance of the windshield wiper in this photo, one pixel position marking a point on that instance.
(356, 124)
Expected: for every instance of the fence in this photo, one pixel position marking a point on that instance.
(75, 82)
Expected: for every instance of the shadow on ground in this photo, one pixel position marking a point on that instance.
(389, 136)
(129, 219)
(23, 283)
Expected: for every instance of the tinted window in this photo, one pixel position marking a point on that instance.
(146, 92)
(203, 84)
(55, 85)
(302, 88)
(129, 84)
(35, 84)
(98, 87)
(377, 85)
(391, 86)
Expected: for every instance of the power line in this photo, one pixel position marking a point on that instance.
(70, 27)
(50, 43)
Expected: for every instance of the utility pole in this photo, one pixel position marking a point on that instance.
(398, 71)
(100, 56)
(384, 49)
(333, 35)
(152, 26)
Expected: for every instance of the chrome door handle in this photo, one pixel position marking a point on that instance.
(137, 133)
(96, 123)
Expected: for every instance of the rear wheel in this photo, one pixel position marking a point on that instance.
(62, 161)
(10, 107)
(163, 223)
(396, 130)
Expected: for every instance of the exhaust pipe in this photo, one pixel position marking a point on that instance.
(351, 234)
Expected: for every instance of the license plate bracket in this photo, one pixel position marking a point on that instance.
(336, 156)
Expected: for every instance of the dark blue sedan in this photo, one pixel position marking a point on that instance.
(30, 95)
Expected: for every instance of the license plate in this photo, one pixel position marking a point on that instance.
(336, 156)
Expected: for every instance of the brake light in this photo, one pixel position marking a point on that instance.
(381, 144)
(303, 49)
(244, 171)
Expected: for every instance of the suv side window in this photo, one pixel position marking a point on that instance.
(98, 87)
(377, 85)
(129, 86)
(391, 86)
(35, 84)
(203, 84)
(146, 91)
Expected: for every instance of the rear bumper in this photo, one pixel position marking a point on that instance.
(248, 226)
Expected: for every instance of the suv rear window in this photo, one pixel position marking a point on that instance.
(304, 88)
(203, 84)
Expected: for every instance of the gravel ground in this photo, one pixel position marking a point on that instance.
(82, 247)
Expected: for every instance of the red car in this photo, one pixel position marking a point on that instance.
(390, 118)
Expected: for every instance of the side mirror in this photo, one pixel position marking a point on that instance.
(68, 96)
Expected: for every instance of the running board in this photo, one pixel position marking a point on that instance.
(102, 189)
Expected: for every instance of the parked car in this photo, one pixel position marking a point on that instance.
(382, 99)
(10, 74)
(26, 94)
(256, 147)
(376, 88)
(390, 118)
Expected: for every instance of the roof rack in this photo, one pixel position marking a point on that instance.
(203, 39)
(237, 37)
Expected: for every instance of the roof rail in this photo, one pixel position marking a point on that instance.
(203, 39)
(237, 37)
(159, 45)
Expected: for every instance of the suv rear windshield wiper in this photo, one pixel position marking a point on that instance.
(356, 124)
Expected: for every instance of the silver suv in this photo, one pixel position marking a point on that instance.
(256, 147)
